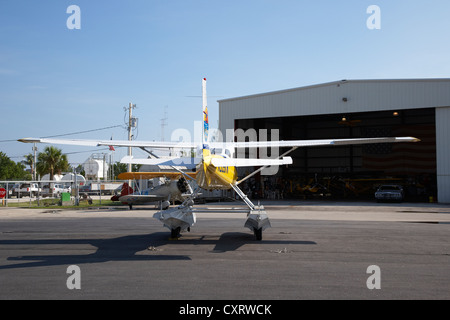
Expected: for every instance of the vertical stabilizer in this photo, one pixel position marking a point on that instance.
(205, 120)
(205, 113)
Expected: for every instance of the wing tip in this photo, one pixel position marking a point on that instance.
(29, 140)
(409, 139)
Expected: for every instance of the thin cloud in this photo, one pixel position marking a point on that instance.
(8, 72)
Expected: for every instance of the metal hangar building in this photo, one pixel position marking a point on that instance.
(353, 109)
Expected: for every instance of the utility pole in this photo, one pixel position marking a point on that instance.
(131, 125)
(34, 162)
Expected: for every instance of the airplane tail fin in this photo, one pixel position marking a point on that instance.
(205, 148)
(126, 189)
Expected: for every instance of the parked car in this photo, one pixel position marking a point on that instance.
(11, 190)
(389, 193)
(26, 189)
(57, 190)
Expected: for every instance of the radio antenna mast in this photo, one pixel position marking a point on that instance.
(164, 122)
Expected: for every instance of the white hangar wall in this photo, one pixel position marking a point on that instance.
(443, 153)
(351, 96)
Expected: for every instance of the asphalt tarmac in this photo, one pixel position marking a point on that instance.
(314, 250)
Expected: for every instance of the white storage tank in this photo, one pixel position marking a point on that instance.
(95, 168)
(56, 177)
(71, 177)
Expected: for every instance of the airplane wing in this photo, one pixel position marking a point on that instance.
(116, 143)
(151, 175)
(250, 144)
(138, 198)
(312, 143)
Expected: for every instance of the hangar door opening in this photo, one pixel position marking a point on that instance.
(353, 172)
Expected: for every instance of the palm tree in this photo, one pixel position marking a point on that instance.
(51, 161)
(29, 161)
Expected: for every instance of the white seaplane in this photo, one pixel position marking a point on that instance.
(212, 171)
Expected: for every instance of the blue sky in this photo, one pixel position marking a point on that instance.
(154, 53)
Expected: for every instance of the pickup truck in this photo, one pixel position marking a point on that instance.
(26, 189)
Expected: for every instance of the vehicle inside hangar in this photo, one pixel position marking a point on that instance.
(351, 172)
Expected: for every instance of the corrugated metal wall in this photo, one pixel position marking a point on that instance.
(443, 153)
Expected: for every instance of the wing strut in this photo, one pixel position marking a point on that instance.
(262, 168)
(243, 196)
(173, 167)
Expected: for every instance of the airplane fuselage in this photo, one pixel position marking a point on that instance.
(210, 177)
(166, 191)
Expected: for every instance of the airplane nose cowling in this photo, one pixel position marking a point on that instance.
(181, 185)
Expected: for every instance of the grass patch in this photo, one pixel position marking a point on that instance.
(55, 203)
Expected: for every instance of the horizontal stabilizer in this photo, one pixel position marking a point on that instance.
(231, 162)
(189, 163)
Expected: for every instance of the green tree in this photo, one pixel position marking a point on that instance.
(80, 169)
(9, 170)
(51, 161)
(29, 161)
(123, 167)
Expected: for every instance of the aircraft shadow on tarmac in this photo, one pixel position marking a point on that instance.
(125, 248)
(231, 241)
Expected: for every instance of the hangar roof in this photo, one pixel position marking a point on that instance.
(344, 96)
(340, 82)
